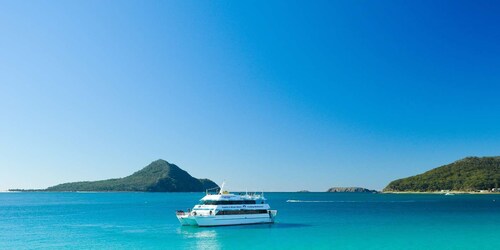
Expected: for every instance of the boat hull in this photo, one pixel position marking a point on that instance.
(227, 220)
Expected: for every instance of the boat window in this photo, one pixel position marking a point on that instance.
(245, 211)
(211, 202)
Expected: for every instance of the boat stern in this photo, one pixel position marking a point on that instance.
(186, 219)
(272, 214)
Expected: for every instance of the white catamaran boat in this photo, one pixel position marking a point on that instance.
(224, 209)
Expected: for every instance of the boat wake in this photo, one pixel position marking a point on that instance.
(311, 201)
(307, 201)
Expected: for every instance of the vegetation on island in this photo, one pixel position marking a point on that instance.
(159, 176)
(469, 174)
(350, 190)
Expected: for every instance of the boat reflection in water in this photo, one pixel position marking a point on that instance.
(201, 239)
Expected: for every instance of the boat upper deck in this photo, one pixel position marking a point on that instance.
(233, 197)
(222, 195)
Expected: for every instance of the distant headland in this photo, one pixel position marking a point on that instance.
(468, 175)
(159, 176)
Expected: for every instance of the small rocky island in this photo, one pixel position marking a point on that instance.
(350, 190)
(159, 176)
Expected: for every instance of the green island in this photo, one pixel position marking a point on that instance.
(468, 175)
(159, 176)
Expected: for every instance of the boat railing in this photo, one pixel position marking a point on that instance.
(181, 212)
(215, 190)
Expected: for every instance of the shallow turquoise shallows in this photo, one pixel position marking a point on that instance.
(306, 221)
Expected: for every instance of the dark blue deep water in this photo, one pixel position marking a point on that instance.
(312, 221)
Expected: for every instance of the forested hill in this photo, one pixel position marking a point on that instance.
(468, 174)
(159, 176)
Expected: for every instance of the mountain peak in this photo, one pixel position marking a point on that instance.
(160, 161)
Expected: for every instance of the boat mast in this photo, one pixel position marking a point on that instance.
(222, 187)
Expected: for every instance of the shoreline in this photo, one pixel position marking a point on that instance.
(437, 192)
(377, 192)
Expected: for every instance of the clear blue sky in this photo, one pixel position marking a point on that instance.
(281, 95)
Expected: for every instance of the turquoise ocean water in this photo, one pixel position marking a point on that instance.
(313, 221)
